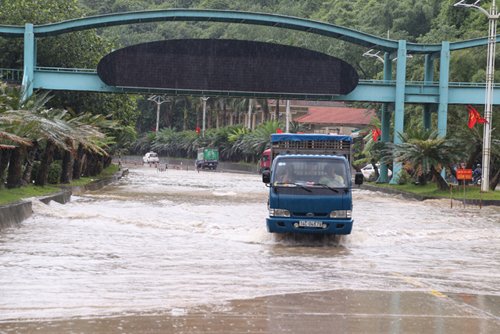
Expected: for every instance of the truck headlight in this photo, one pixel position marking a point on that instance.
(279, 213)
(341, 214)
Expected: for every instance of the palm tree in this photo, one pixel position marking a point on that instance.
(93, 142)
(295, 127)
(12, 141)
(427, 152)
(236, 137)
(19, 123)
(87, 137)
(253, 143)
(52, 128)
(238, 106)
(5, 151)
(12, 156)
(143, 144)
(265, 109)
(372, 151)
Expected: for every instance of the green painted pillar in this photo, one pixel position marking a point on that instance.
(444, 74)
(385, 119)
(29, 62)
(399, 107)
(428, 77)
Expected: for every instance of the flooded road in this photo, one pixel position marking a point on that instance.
(177, 241)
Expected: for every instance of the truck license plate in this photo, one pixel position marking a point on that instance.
(310, 223)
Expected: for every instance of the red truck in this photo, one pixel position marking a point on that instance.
(265, 161)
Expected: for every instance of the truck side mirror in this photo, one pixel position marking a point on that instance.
(266, 176)
(358, 178)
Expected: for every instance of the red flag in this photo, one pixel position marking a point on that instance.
(198, 130)
(376, 133)
(474, 117)
(278, 130)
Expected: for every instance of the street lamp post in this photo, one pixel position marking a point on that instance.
(249, 115)
(204, 100)
(158, 99)
(287, 116)
(490, 73)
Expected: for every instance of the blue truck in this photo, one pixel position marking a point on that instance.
(310, 184)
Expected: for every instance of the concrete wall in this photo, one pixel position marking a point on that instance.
(14, 213)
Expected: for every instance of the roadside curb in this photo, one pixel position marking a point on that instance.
(15, 213)
(423, 198)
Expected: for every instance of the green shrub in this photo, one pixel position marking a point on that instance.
(404, 177)
(55, 171)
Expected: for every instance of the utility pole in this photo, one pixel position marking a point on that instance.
(158, 99)
(490, 76)
(249, 114)
(287, 116)
(204, 100)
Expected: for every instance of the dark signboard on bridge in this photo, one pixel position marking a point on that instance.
(213, 65)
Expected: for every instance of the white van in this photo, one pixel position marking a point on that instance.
(150, 158)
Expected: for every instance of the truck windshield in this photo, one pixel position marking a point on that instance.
(310, 173)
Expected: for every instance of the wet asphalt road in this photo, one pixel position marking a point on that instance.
(187, 252)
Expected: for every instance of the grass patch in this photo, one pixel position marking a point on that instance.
(15, 195)
(430, 189)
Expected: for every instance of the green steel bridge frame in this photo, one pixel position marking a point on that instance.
(429, 92)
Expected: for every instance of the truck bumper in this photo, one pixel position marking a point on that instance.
(291, 225)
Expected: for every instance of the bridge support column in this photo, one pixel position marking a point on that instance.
(428, 78)
(399, 108)
(385, 120)
(29, 62)
(444, 73)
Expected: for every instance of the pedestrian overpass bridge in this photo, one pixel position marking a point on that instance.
(383, 91)
(433, 90)
(398, 91)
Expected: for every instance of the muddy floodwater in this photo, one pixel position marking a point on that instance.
(176, 241)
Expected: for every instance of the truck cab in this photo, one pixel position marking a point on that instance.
(265, 161)
(310, 185)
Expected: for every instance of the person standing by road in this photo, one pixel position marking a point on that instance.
(476, 174)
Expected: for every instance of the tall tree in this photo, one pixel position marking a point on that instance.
(427, 153)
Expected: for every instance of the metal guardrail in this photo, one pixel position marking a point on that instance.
(423, 83)
(367, 81)
(66, 70)
(11, 75)
(16, 76)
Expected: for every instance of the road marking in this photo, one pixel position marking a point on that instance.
(413, 281)
(438, 294)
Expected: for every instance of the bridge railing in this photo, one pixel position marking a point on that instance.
(423, 83)
(11, 75)
(66, 70)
